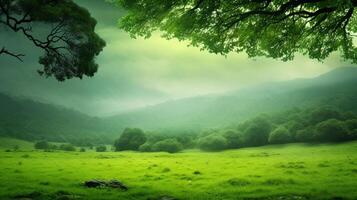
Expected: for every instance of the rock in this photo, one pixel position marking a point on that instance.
(117, 184)
(94, 183)
(100, 184)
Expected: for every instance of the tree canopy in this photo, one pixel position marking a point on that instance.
(70, 46)
(272, 28)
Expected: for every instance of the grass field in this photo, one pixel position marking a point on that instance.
(295, 171)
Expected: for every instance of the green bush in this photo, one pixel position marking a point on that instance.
(42, 145)
(280, 135)
(101, 148)
(257, 132)
(67, 147)
(146, 147)
(130, 139)
(234, 139)
(167, 145)
(331, 130)
(213, 143)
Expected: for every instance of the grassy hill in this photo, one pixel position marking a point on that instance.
(27, 119)
(336, 88)
(295, 171)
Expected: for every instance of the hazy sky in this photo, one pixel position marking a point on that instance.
(137, 72)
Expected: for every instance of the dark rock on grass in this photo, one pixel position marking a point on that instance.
(117, 184)
(197, 173)
(102, 184)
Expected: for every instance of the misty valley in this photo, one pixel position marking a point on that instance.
(282, 140)
(178, 100)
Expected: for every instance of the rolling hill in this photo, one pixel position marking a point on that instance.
(31, 120)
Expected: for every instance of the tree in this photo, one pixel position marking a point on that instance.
(234, 139)
(70, 46)
(280, 135)
(331, 130)
(67, 147)
(101, 148)
(42, 145)
(130, 139)
(257, 132)
(168, 145)
(213, 143)
(271, 28)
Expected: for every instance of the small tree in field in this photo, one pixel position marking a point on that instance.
(101, 148)
(213, 143)
(42, 145)
(130, 139)
(168, 145)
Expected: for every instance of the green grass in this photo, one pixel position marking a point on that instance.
(295, 171)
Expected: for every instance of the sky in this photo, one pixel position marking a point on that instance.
(135, 73)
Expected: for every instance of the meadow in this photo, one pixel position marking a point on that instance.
(294, 171)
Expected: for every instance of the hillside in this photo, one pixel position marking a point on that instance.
(30, 120)
(336, 88)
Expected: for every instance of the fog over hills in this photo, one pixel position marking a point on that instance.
(27, 119)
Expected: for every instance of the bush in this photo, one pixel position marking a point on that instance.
(130, 139)
(42, 145)
(305, 135)
(331, 130)
(168, 145)
(257, 132)
(234, 139)
(67, 147)
(213, 143)
(280, 135)
(146, 147)
(82, 149)
(101, 148)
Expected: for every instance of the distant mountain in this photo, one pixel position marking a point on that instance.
(30, 120)
(336, 88)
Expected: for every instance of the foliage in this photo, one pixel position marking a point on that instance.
(168, 145)
(213, 143)
(101, 148)
(234, 138)
(331, 130)
(67, 147)
(130, 139)
(276, 29)
(71, 45)
(42, 145)
(280, 135)
(257, 131)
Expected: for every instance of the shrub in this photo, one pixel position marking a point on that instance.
(305, 135)
(331, 130)
(130, 139)
(67, 147)
(101, 148)
(146, 147)
(280, 135)
(213, 143)
(82, 149)
(42, 145)
(168, 145)
(234, 139)
(257, 132)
